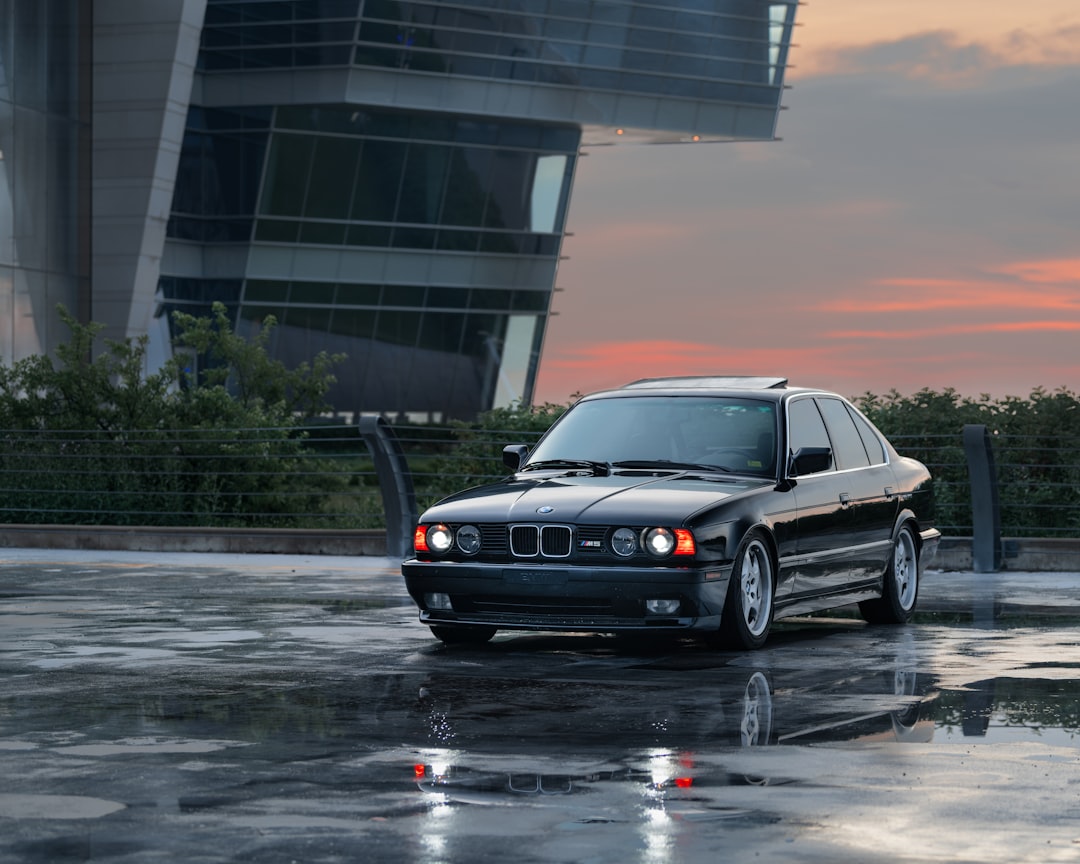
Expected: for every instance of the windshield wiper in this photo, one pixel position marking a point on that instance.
(601, 468)
(668, 463)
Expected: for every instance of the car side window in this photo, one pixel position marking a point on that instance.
(805, 426)
(870, 438)
(848, 449)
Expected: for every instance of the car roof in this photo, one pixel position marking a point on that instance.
(772, 388)
(714, 382)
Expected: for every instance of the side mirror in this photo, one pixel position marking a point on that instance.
(811, 460)
(514, 455)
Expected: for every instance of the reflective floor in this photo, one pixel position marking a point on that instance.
(268, 709)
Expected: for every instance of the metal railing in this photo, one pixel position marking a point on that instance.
(331, 477)
(1036, 480)
(312, 476)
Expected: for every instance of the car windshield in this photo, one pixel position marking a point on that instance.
(713, 433)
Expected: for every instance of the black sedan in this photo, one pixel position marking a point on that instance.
(709, 506)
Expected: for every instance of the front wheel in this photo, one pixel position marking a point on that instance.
(748, 610)
(901, 583)
(463, 635)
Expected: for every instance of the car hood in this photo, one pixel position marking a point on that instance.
(623, 497)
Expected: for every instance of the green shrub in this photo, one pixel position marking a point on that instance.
(90, 440)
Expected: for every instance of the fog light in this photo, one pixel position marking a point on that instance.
(438, 601)
(662, 607)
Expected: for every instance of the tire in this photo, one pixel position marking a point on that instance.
(900, 583)
(748, 611)
(463, 635)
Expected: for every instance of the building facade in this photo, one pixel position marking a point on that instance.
(388, 179)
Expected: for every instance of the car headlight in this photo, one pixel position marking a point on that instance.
(440, 538)
(661, 542)
(624, 542)
(658, 541)
(468, 539)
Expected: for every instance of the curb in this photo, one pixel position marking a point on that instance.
(1038, 554)
(284, 541)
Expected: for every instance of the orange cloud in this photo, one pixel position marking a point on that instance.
(952, 42)
(958, 329)
(921, 295)
(1049, 285)
(1055, 270)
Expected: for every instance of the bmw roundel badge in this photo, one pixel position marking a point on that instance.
(545, 509)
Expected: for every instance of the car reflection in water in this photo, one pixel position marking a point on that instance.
(665, 741)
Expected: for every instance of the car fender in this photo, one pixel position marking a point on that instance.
(906, 515)
(926, 538)
(722, 539)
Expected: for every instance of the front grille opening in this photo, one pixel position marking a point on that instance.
(555, 541)
(550, 541)
(524, 541)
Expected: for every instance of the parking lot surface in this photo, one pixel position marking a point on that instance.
(211, 708)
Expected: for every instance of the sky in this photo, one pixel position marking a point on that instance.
(917, 225)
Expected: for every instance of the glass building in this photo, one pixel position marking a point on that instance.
(388, 179)
(44, 171)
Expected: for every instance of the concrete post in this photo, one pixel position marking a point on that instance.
(395, 483)
(985, 510)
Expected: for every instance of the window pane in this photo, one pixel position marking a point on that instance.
(305, 318)
(312, 292)
(266, 291)
(466, 187)
(847, 443)
(510, 185)
(806, 428)
(422, 184)
(404, 295)
(442, 331)
(287, 174)
(357, 323)
(277, 231)
(398, 328)
(369, 235)
(332, 176)
(377, 180)
(547, 192)
(322, 233)
(358, 295)
(870, 439)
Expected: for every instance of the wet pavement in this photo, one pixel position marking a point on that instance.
(213, 708)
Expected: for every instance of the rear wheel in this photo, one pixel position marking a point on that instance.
(463, 635)
(748, 610)
(901, 583)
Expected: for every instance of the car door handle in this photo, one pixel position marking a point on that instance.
(845, 500)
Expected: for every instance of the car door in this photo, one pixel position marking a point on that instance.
(823, 524)
(870, 498)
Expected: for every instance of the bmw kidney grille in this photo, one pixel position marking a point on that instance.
(549, 541)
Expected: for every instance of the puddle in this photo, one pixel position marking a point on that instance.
(55, 807)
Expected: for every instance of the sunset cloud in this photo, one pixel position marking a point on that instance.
(1058, 271)
(954, 42)
(911, 335)
(925, 295)
(944, 57)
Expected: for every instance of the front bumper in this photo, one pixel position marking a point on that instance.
(567, 597)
